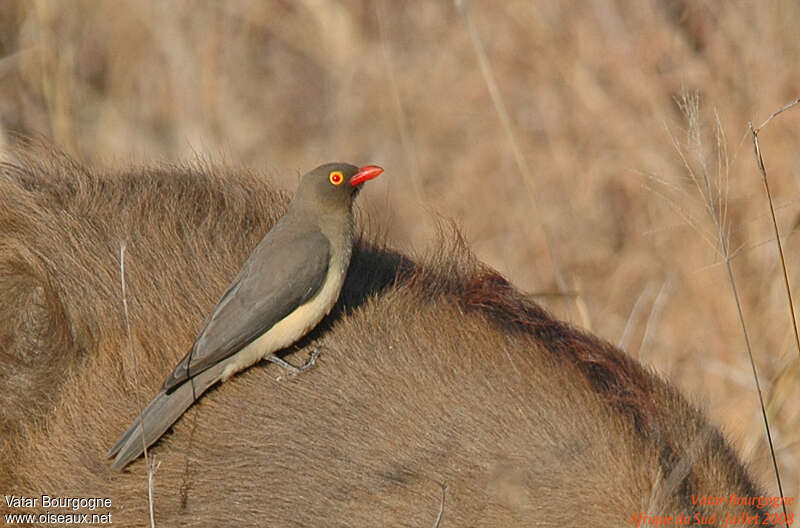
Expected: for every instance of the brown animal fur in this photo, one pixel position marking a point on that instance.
(433, 373)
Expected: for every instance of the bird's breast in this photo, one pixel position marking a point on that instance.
(298, 323)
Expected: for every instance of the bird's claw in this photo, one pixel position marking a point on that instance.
(294, 371)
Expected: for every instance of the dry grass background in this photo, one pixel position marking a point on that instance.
(591, 90)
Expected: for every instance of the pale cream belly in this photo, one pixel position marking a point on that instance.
(293, 326)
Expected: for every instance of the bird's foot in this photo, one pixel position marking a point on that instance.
(294, 371)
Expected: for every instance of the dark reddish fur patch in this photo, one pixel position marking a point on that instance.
(608, 370)
(620, 380)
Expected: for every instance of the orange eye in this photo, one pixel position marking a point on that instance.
(336, 177)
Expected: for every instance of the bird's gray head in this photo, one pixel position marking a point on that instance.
(333, 185)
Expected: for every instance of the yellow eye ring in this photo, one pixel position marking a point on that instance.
(336, 177)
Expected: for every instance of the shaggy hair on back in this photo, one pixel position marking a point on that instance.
(434, 372)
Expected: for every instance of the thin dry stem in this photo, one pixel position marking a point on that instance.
(763, 171)
(765, 180)
(665, 485)
(690, 106)
(505, 119)
(686, 217)
(633, 317)
(150, 465)
(655, 314)
(441, 507)
(776, 113)
(583, 309)
(407, 142)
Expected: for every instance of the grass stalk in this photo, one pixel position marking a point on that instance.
(150, 465)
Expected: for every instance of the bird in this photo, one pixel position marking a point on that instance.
(287, 285)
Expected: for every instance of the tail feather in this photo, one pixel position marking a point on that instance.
(159, 416)
(122, 439)
(163, 411)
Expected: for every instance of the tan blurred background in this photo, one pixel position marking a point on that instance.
(575, 107)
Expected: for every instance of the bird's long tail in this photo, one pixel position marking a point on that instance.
(163, 411)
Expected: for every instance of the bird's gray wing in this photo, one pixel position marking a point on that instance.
(284, 271)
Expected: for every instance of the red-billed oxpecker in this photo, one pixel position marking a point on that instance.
(284, 289)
